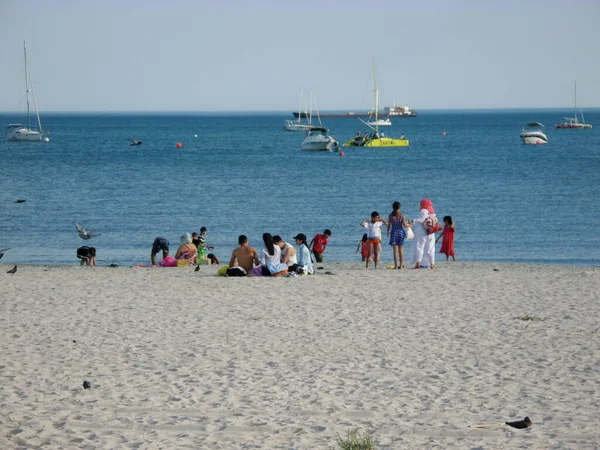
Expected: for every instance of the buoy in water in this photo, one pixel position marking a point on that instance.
(46, 139)
(195, 135)
(538, 142)
(47, 132)
(443, 133)
(341, 153)
(178, 145)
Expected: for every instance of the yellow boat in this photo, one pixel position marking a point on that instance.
(379, 141)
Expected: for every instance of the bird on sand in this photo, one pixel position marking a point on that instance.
(21, 200)
(13, 270)
(525, 423)
(83, 233)
(2, 252)
(135, 142)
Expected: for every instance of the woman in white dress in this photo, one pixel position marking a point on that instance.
(423, 243)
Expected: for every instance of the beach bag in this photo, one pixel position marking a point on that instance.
(222, 271)
(408, 234)
(169, 261)
(432, 225)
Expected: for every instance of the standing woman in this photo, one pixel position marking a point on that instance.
(395, 230)
(423, 243)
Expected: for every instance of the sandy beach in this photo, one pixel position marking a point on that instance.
(178, 359)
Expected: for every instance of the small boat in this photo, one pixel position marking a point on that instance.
(297, 125)
(380, 122)
(376, 139)
(573, 122)
(534, 134)
(316, 139)
(19, 132)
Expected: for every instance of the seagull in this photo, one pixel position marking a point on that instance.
(83, 233)
(13, 270)
(135, 142)
(21, 200)
(2, 252)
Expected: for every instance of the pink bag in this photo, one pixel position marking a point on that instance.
(169, 261)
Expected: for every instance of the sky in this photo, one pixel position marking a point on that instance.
(196, 55)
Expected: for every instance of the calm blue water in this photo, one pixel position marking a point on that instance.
(245, 175)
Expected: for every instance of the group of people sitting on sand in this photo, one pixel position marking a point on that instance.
(277, 257)
(192, 248)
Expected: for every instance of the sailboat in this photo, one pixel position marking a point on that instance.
(297, 125)
(573, 122)
(19, 132)
(375, 139)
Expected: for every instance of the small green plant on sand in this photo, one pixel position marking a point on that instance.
(531, 318)
(356, 441)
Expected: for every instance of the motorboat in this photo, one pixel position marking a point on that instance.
(380, 122)
(573, 122)
(316, 139)
(20, 132)
(534, 134)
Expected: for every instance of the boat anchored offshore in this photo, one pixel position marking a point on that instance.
(380, 122)
(573, 122)
(316, 139)
(19, 132)
(399, 111)
(534, 135)
(375, 139)
(297, 125)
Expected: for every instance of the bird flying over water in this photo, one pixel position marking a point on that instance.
(135, 142)
(2, 252)
(83, 233)
(13, 270)
(21, 200)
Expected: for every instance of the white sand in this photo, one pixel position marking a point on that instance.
(182, 359)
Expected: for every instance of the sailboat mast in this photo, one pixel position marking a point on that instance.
(37, 111)
(376, 99)
(300, 107)
(311, 105)
(26, 85)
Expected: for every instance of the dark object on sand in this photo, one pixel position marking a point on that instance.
(520, 424)
(197, 269)
(87, 384)
(135, 142)
(114, 265)
(496, 270)
(13, 270)
(74, 341)
(21, 200)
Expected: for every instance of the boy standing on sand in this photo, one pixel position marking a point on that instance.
(374, 234)
(319, 243)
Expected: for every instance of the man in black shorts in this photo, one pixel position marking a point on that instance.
(160, 243)
(87, 255)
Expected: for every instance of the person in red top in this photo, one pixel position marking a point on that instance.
(447, 239)
(319, 243)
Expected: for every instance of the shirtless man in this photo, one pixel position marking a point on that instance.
(245, 255)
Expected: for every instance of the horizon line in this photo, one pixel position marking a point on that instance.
(276, 111)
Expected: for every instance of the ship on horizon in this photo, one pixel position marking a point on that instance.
(389, 111)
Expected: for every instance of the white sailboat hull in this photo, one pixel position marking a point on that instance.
(24, 134)
(291, 125)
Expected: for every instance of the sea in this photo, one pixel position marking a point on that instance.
(241, 173)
